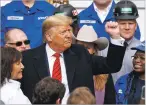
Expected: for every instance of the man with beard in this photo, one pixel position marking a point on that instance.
(129, 86)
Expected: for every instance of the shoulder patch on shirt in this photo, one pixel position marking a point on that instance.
(120, 91)
(15, 17)
(88, 21)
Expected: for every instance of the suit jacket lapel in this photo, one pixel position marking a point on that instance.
(71, 60)
(40, 62)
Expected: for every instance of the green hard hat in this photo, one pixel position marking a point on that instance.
(125, 9)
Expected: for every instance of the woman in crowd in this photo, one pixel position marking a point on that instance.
(129, 88)
(11, 71)
(103, 83)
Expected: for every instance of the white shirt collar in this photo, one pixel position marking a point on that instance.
(102, 14)
(129, 41)
(14, 82)
(51, 52)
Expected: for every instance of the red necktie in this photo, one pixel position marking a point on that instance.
(57, 68)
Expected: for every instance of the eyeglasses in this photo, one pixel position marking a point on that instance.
(19, 43)
(136, 57)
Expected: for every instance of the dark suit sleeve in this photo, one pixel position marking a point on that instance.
(112, 63)
(110, 93)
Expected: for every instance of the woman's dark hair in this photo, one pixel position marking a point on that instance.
(8, 57)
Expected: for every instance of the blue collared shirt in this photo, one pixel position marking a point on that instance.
(89, 17)
(17, 15)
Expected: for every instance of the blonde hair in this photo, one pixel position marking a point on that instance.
(100, 81)
(81, 95)
(55, 20)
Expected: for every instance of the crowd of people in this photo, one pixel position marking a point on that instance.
(50, 54)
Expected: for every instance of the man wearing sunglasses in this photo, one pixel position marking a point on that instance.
(27, 15)
(16, 38)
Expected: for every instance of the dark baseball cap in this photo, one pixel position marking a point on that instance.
(125, 9)
(67, 10)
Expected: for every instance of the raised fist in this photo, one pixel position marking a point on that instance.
(112, 28)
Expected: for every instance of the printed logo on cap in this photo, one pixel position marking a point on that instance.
(74, 12)
(126, 10)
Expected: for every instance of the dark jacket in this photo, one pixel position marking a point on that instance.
(110, 93)
(80, 66)
(128, 89)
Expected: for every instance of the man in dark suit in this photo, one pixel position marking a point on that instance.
(76, 66)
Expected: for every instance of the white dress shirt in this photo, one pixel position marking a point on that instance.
(51, 60)
(11, 93)
(102, 13)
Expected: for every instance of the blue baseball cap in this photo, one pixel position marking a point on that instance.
(140, 47)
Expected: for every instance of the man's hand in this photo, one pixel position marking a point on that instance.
(113, 29)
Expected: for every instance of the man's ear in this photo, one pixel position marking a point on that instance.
(58, 101)
(48, 37)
